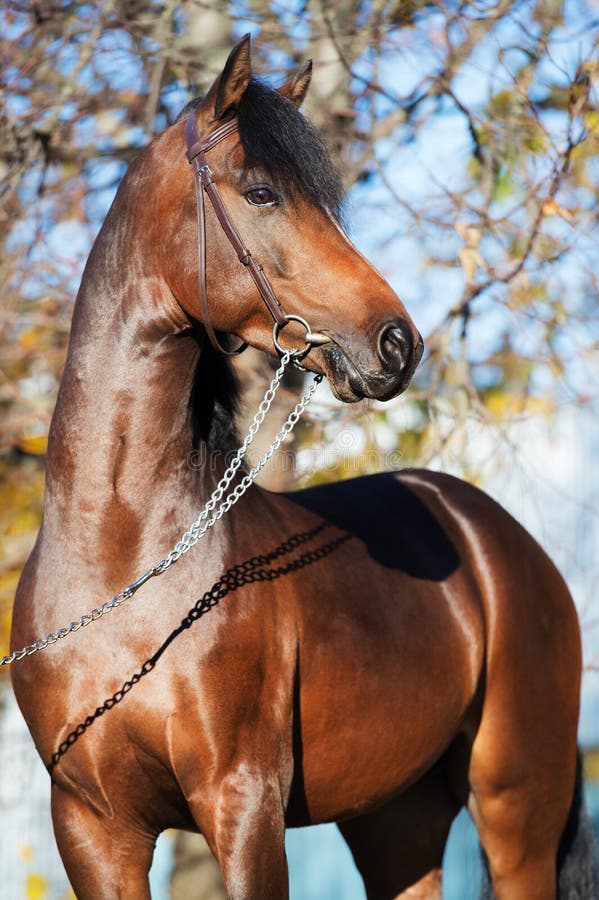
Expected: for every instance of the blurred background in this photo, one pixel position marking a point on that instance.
(467, 136)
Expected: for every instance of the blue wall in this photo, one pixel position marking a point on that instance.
(321, 866)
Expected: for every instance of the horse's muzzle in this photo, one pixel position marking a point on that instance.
(399, 350)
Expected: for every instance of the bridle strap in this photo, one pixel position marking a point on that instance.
(195, 145)
(204, 182)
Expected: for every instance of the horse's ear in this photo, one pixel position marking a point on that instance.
(296, 89)
(231, 84)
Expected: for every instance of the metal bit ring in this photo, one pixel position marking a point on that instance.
(311, 339)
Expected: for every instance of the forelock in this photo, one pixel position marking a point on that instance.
(278, 139)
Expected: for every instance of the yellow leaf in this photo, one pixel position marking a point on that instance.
(591, 765)
(552, 208)
(34, 444)
(36, 887)
(29, 338)
(470, 234)
(470, 260)
(591, 120)
(505, 405)
(22, 523)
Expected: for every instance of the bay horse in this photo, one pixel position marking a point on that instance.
(377, 653)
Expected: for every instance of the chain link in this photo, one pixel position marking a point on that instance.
(204, 521)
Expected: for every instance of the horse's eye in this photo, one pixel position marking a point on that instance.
(261, 196)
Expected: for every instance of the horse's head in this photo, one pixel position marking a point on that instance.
(283, 194)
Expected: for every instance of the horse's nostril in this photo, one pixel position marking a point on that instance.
(419, 350)
(396, 345)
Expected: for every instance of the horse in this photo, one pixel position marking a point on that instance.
(377, 653)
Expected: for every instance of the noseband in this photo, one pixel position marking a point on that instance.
(204, 182)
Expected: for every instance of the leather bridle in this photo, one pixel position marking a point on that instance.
(204, 182)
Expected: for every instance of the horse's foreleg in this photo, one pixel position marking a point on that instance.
(243, 822)
(104, 859)
(398, 848)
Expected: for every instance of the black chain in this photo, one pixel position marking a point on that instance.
(250, 571)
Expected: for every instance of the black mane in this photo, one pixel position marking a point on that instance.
(278, 140)
(214, 402)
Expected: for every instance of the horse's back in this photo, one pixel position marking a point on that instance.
(428, 526)
(439, 534)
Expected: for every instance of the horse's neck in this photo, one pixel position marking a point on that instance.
(119, 474)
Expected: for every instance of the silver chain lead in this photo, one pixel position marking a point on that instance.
(204, 521)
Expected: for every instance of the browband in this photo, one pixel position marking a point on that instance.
(197, 145)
